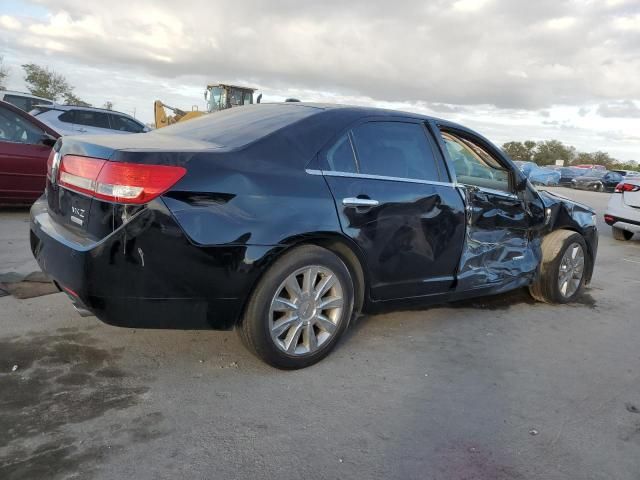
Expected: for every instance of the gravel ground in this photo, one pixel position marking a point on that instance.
(496, 388)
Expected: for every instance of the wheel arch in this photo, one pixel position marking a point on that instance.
(590, 252)
(336, 243)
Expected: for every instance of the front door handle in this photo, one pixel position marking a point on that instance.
(359, 202)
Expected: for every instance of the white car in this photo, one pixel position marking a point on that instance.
(24, 101)
(623, 211)
(74, 120)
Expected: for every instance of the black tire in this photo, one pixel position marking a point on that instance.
(254, 327)
(620, 234)
(554, 245)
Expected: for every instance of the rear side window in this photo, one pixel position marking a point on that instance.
(21, 102)
(67, 117)
(395, 149)
(25, 103)
(91, 119)
(124, 124)
(340, 156)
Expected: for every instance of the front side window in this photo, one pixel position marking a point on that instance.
(474, 165)
(14, 128)
(394, 149)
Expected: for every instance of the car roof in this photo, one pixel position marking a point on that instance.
(24, 94)
(29, 117)
(64, 107)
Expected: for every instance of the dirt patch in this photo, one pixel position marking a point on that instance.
(51, 382)
(36, 284)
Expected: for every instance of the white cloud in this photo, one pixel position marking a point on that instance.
(510, 59)
(10, 23)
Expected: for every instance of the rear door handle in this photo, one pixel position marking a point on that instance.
(359, 202)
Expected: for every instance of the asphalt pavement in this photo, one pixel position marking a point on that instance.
(494, 388)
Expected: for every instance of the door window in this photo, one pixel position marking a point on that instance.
(91, 119)
(67, 117)
(125, 124)
(340, 156)
(474, 165)
(389, 149)
(395, 149)
(14, 128)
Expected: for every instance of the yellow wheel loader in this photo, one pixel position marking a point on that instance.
(218, 97)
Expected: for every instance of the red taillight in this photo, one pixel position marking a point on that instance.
(626, 187)
(117, 182)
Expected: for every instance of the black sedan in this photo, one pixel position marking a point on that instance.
(597, 180)
(286, 221)
(567, 174)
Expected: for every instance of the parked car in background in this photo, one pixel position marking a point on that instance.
(287, 220)
(623, 211)
(628, 173)
(24, 101)
(539, 175)
(25, 144)
(597, 180)
(590, 166)
(74, 120)
(569, 173)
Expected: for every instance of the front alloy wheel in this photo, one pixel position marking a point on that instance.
(571, 270)
(562, 268)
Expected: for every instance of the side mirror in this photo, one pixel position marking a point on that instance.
(259, 98)
(48, 140)
(521, 182)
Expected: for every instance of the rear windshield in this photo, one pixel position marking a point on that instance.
(240, 126)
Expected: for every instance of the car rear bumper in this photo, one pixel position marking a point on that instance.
(621, 215)
(147, 274)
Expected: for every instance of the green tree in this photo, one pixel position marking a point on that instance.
(71, 99)
(519, 151)
(549, 151)
(4, 73)
(43, 82)
(582, 158)
(603, 158)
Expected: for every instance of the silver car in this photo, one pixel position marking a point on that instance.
(74, 120)
(623, 211)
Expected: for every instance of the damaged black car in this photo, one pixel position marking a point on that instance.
(287, 221)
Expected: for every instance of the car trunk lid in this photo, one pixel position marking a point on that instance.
(95, 184)
(630, 192)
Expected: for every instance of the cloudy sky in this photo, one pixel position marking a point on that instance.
(513, 69)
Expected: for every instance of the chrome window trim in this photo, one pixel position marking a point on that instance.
(492, 191)
(331, 173)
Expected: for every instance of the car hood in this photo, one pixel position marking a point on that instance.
(555, 200)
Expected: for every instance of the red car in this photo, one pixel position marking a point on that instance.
(25, 144)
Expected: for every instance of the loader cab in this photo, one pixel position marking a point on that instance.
(221, 97)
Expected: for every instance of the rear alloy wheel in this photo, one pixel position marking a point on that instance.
(620, 234)
(299, 309)
(562, 271)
